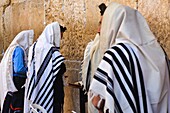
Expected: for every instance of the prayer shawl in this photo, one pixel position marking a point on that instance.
(24, 39)
(90, 62)
(89, 65)
(44, 62)
(133, 75)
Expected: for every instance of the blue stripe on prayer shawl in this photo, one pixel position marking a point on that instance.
(47, 86)
(39, 94)
(57, 63)
(57, 58)
(45, 94)
(49, 92)
(33, 75)
(41, 69)
(48, 102)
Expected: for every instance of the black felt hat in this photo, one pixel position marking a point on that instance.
(102, 8)
(62, 29)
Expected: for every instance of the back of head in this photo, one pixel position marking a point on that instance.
(23, 39)
(123, 22)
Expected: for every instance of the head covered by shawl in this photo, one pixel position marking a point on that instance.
(50, 37)
(92, 56)
(24, 39)
(43, 57)
(122, 24)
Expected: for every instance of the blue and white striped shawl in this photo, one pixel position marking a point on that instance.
(39, 87)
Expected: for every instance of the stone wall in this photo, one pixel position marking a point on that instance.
(81, 19)
(18, 15)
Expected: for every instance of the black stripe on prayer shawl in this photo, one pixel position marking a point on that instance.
(57, 63)
(31, 81)
(41, 69)
(49, 92)
(49, 102)
(136, 95)
(142, 86)
(57, 58)
(48, 111)
(123, 57)
(120, 82)
(103, 73)
(141, 80)
(45, 63)
(88, 79)
(33, 52)
(46, 87)
(99, 76)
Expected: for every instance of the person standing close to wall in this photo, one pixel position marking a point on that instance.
(13, 69)
(92, 58)
(129, 79)
(44, 86)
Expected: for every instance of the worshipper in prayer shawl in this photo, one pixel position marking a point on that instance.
(13, 68)
(44, 85)
(91, 60)
(133, 74)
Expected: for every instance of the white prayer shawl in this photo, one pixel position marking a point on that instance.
(122, 24)
(47, 60)
(24, 39)
(90, 62)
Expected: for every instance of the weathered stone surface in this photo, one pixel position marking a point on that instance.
(1, 30)
(157, 13)
(22, 16)
(81, 18)
(7, 21)
(72, 95)
(4, 3)
(36, 17)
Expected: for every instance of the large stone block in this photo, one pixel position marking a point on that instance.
(23, 16)
(36, 17)
(7, 22)
(1, 30)
(72, 94)
(4, 2)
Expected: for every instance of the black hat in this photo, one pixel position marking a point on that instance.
(102, 8)
(62, 29)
